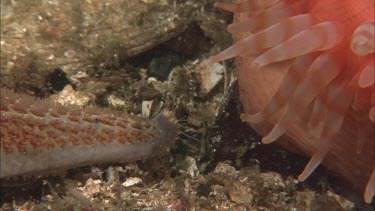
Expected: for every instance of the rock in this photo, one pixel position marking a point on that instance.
(225, 169)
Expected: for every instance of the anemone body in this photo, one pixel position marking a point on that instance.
(306, 72)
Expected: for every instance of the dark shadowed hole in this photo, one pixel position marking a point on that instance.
(56, 81)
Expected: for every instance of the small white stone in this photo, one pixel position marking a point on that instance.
(192, 169)
(97, 182)
(146, 108)
(131, 181)
(68, 96)
(151, 79)
(69, 53)
(51, 57)
(210, 76)
(115, 101)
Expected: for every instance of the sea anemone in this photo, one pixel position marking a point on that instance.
(306, 69)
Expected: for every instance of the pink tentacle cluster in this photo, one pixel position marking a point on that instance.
(326, 78)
